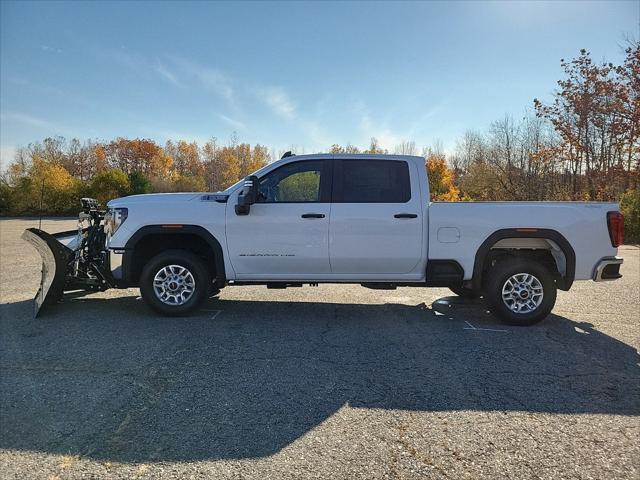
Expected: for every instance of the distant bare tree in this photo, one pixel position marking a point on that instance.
(406, 147)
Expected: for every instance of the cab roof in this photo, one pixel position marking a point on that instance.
(352, 156)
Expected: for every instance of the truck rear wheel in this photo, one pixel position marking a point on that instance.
(520, 291)
(175, 282)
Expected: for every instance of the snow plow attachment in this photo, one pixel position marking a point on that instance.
(72, 260)
(56, 258)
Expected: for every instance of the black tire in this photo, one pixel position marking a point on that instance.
(214, 291)
(193, 264)
(464, 292)
(497, 278)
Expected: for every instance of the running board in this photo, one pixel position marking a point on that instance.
(380, 286)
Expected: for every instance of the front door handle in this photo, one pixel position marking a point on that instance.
(405, 215)
(313, 215)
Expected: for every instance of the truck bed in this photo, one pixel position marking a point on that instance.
(458, 229)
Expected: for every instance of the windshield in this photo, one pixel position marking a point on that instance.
(235, 186)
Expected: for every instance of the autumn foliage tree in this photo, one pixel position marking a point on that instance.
(43, 186)
(441, 178)
(583, 145)
(112, 183)
(71, 169)
(596, 113)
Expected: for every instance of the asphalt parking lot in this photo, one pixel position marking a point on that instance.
(326, 382)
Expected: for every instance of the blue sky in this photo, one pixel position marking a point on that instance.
(288, 74)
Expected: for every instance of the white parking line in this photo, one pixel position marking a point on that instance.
(471, 327)
(215, 313)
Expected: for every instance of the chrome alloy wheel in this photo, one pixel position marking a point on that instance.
(174, 285)
(522, 293)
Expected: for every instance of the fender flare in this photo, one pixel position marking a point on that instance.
(203, 233)
(555, 236)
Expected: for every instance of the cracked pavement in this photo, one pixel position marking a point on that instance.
(315, 382)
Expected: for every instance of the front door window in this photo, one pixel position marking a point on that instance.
(297, 182)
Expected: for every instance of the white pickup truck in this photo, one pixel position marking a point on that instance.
(312, 219)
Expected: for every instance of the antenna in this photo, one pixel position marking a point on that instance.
(41, 199)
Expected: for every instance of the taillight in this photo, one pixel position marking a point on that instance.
(615, 223)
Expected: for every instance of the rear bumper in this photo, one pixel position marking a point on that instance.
(607, 269)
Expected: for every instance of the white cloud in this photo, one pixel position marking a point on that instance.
(142, 64)
(216, 81)
(175, 135)
(391, 139)
(279, 101)
(131, 61)
(240, 94)
(318, 135)
(7, 152)
(32, 121)
(50, 49)
(387, 139)
(167, 74)
(237, 124)
(212, 79)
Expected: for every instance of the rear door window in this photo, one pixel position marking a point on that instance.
(372, 181)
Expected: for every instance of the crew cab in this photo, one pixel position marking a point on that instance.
(364, 219)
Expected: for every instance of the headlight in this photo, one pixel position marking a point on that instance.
(113, 219)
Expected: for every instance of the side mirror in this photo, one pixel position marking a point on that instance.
(248, 195)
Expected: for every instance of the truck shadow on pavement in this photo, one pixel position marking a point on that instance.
(104, 378)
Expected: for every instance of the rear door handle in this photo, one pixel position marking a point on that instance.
(406, 215)
(313, 215)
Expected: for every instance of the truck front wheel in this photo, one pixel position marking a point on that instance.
(175, 282)
(520, 291)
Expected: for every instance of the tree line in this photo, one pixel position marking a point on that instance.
(583, 145)
(51, 175)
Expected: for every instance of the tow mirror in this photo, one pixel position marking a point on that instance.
(248, 195)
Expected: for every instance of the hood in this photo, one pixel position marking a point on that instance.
(168, 198)
(157, 198)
